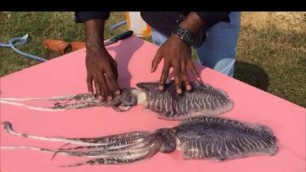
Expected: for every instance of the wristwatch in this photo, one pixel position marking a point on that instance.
(188, 37)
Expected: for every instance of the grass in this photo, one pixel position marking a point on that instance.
(271, 49)
(272, 55)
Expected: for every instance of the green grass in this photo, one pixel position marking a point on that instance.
(269, 58)
(275, 61)
(40, 26)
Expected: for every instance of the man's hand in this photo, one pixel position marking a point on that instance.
(177, 54)
(101, 66)
(99, 63)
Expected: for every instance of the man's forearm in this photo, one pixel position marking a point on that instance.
(94, 33)
(212, 18)
(192, 22)
(195, 21)
(191, 29)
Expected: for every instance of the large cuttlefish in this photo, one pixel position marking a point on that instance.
(203, 100)
(196, 137)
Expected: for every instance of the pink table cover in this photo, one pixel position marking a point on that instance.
(67, 75)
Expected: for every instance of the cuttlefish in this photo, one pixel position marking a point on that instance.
(202, 100)
(211, 138)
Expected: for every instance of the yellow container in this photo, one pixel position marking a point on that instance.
(137, 24)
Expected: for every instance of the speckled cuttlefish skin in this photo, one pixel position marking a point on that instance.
(196, 137)
(202, 100)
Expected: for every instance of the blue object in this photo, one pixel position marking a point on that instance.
(115, 26)
(21, 41)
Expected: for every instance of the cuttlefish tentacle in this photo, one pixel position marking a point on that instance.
(115, 149)
(126, 156)
(29, 148)
(128, 149)
(120, 103)
(123, 142)
(60, 103)
(80, 141)
(54, 98)
(31, 107)
(112, 149)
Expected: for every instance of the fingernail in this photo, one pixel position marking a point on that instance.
(100, 97)
(109, 98)
(188, 87)
(117, 93)
(179, 91)
(161, 87)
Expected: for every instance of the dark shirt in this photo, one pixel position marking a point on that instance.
(164, 22)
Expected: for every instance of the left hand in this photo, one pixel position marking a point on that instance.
(176, 54)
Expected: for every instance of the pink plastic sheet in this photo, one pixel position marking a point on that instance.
(66, 75)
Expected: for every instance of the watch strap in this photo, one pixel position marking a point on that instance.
(185, 35)
(189, 38)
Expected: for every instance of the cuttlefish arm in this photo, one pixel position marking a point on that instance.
(123, 148)
(105, 140)
(58, 103)
(119, 103)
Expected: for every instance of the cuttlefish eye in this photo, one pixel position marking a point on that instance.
(168, 140)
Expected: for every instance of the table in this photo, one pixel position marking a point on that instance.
(67, 75)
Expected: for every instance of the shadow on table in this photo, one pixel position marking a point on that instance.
(252, 75)
(123, 55)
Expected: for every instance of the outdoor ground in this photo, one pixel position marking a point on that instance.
(271, 50)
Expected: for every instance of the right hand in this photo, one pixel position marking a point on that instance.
(99, 63)
(100, 68)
